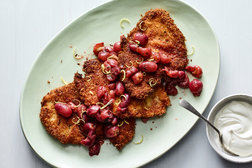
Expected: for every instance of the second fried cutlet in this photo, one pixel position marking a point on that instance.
(163, 36)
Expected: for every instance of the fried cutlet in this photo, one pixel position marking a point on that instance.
(88, 85)
(59, 127)
(153, 105)
(126, 134)
(163, 36)
(65, 130)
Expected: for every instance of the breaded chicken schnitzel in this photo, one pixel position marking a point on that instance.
(163, 36)
(59, 127)
(68, 132)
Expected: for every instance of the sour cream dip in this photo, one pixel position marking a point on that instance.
(234, 121)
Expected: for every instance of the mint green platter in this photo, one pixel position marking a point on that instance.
(102, 25)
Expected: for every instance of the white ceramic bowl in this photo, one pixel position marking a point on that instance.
(213, 136)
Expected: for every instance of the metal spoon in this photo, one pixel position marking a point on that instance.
(189, 107)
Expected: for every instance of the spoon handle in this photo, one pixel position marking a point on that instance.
(189, 107)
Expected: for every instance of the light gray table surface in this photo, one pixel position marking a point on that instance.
(27, 26)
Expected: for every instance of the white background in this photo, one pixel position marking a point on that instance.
(27, 26)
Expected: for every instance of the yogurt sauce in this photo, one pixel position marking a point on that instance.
(234, 121)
